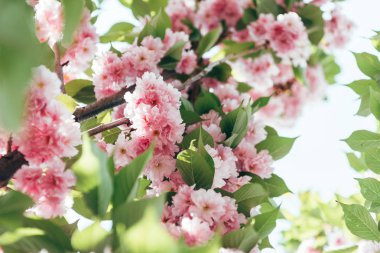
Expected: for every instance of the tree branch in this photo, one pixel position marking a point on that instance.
(103, 104)
(58, 66)
(108, 126)
(207, 69)
(9, 165)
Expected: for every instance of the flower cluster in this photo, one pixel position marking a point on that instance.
(49, 134)
(49, 27)
(198, 214)
(337, 30)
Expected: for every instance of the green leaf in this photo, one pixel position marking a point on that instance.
(350, 249)
(93, 177)
(268, 6)
(27, 240)
(72, 12)
(276, 186)
(221, 72)
(243, 87)
(13, 204)
(266, 222)
(260, 103)
(300, 75)
(196, 166)
(374, 102)
(372, 159)
(360, 222)
(122, 32)
(172, 56)
(147, 235)
(370, 189)
(156, 26)
(356, 163)
(362, 88)
(188, 115)
(330, 68)
(195, 135)
(363, 140)
(126, 180)
(249, 196)
(209, 40)
(311, 16)
(52, 231)
(369, 64)
(277, 146)
(20, 51)
(91, 238)
(130, 213)
(244, 239)
(81, 90)
(233, 47)
(207, 101)
(235, 125)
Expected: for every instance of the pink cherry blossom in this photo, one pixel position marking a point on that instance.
(317, 83)
(338, 30)
(207, 205)
(195, 231)
(188, 62)
(288, 38)
(179, 10)
(259, 163)
(257, 72)
(49, 21)
(259, 30)
(225, 164)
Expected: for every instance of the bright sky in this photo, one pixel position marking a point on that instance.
(317, 161)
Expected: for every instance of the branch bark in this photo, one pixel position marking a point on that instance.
(9, 165)
(103, 104)
(58, 66)
(108, 126)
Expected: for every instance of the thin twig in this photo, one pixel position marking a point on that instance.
(9, 144)
(58, 66)
(108, 126)
(206, 70)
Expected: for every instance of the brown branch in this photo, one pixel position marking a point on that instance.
(9, 165)
(9, 144)
(207, 69)
(101, 105)
(108, 126)
(58, 66)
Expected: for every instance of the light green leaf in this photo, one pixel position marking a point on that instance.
(207, 101)
(13, 204)
(276, 186)
(363, 140)
(126, 180)
(268, 6)
(260, 103)
(370, 189)
(369, 64)
(277, 146)
(266, 222)
(235, 125)
(195, 135)
(91, 238)
(372, 159)
(72, 12)
(356, 163)
(93, 177)
(244, 239)
(122, 32)
(209, 40)
(350, 249)
(360, 222)
(249, 196)
(172, 56)
(20, 51)
(81, 90)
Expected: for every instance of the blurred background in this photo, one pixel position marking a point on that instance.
(317, 161)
